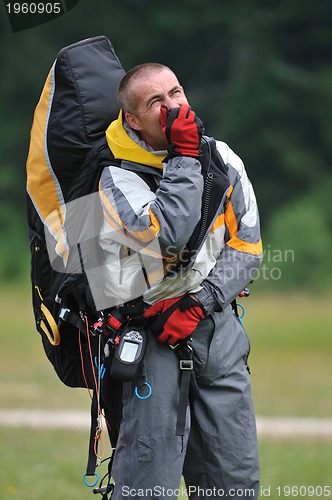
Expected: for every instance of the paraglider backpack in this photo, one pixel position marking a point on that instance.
(67, 153)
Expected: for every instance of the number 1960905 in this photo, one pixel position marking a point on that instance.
(34, 8)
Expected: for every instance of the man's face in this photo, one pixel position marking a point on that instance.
(152, 91)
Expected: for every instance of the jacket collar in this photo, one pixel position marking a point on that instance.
(125, 147)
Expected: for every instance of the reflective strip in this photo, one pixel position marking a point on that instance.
(220, 221)
(230, 219)
(235, 242)
(42, 184)
(244, 246)
(143, 236)
(154, 222)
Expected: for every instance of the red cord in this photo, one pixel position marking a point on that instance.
(101, 432)
(82, 364)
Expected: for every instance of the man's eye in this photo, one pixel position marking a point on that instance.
(155, 102)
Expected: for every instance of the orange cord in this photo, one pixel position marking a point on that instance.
(82, 364)
(100, 433)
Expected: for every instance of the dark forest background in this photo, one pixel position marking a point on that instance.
(257, 72)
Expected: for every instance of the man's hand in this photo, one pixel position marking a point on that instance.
(176, 318)
(183, 130)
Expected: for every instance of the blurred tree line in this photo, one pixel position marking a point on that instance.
(258, 73)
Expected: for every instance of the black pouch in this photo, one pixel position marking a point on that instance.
(129, 354)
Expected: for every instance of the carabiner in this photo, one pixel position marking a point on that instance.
(91, 485)
(148, 394)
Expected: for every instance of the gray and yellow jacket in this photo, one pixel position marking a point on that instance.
(152, 206)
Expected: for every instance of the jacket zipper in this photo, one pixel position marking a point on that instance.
(205, 209)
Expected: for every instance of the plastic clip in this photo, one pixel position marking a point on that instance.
(186, 364)
(102, 368)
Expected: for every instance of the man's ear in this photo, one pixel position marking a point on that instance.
(133, 121)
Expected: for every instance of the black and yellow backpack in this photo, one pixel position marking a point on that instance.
(67, 153)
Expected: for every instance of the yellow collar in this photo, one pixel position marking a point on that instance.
(124, 148)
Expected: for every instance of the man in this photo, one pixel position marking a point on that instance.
(191, 195)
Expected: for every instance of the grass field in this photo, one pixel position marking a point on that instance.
(291, 354)
(49, 465)
(43, 465)
(291, 375)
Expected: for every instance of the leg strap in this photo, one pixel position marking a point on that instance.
(92, 459)
(185, 355)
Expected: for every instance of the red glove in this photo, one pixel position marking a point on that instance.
(177, 318)
(183, 130)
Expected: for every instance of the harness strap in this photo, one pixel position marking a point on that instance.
(185, 354)
(73, 318)
(235, 308)
(91, 465)
(49, 326)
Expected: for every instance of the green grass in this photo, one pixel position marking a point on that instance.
(290, 360)
(291, 375)
(27, 378)
(291, 354)
(295, 463)
(41, 464)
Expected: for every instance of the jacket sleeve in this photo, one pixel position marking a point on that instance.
(139, 216)
(239, 261)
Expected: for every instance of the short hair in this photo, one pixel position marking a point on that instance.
(127, 98)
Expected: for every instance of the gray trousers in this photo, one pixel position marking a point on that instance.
(218, 453)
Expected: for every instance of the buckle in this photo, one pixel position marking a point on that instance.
(63, 314)
(186, 364)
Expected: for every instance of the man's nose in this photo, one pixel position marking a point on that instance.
(171, 103)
